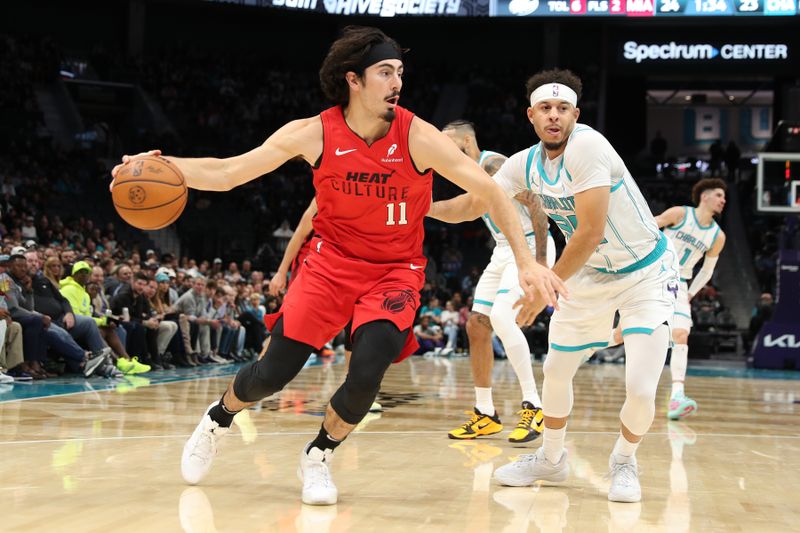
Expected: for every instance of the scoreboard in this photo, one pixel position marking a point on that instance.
(645, 8)
(538, 8)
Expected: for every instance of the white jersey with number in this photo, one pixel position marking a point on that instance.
(692, 240)
(524, 214)
(632, 239)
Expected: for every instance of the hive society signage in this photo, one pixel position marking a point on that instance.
(672, 51)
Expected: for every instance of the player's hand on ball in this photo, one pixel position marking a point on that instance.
(539, 281)
(127, 159)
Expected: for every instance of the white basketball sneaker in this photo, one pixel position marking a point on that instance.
(530, 468)
(200, 449)
(314, 472)
(624, 474)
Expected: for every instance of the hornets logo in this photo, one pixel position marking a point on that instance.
(397, 300)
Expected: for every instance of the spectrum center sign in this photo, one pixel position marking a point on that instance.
(672, 51)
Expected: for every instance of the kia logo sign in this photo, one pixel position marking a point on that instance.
(672, 51)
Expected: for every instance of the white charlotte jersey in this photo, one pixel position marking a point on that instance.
(691, 240)
(632, 239)
(524, 215)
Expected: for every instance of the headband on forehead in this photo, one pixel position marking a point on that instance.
(378, 53)
(554, 91)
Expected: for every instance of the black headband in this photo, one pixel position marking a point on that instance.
(377, 53)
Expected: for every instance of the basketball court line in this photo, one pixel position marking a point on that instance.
(365, 433)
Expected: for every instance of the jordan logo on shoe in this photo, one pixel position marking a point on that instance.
(343, 152)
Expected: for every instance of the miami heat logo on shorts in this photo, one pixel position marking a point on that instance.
(397, 300)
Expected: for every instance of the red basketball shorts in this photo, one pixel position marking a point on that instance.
(333, 289)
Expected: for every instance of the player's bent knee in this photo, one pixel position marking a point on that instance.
(478, 327)
(254, 382)
(680, 336)
(561, 366)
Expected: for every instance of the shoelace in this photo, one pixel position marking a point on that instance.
(626, 473)
(205, 445)
(475, 418)
(527, 458)
(318, 473)
(527, 418)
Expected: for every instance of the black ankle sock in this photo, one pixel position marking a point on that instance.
(324, 441)
(221, 415)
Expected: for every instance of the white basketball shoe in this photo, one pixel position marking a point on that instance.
(314, 472)
(200, 449)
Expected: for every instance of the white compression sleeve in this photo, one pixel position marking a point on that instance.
(704, 276)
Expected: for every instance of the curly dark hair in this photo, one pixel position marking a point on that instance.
(704, 185)
(556, 75)
(345, 55)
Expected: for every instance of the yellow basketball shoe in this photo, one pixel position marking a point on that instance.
(530, 425)
(477, 426)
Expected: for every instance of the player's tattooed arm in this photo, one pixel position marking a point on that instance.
(533, 202)
(493, 164)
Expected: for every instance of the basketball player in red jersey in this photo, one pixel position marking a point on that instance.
(373, 163)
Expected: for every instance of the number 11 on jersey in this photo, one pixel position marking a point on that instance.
(390, 221)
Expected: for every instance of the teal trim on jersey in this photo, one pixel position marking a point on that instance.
(679, 226)
(564, 348)
(618, 185)
(530, 234)
(698, 222)
(486, 154)
(682, 314)
(543, 174)
(657, 233)
(685, 280)
(492, 224)
(649, 259)
(619, 238)
(483, 302)
(714, 239)
(528, 163)
(628, 331)
(503, 291)
(569, 176)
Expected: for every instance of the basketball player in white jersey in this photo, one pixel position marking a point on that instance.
(695, 235)
(494, 297)
(615, 259)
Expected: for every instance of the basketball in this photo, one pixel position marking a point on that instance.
(149, 193)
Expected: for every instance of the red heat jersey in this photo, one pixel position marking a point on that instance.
(371, 200)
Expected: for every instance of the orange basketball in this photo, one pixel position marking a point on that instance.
(149, 192)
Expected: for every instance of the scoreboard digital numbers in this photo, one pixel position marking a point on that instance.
(644, 8)
(537, 8)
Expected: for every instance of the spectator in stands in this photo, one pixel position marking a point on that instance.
(191, 306)
(762, 312)
(122, 275)
(450, 326)
(75, 289)
(159, 309)
(130, 301)
(19, 300)
(658, 148)
(429, 336)
(12, 358)
(433, 310)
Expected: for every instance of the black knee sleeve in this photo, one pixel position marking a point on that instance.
(282, 362)
(375, 346)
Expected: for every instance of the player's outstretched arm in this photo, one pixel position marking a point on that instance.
(430, 148)
(709, 263)
(671, 217)
(304, 227)
(462, 208)
(299, 138)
